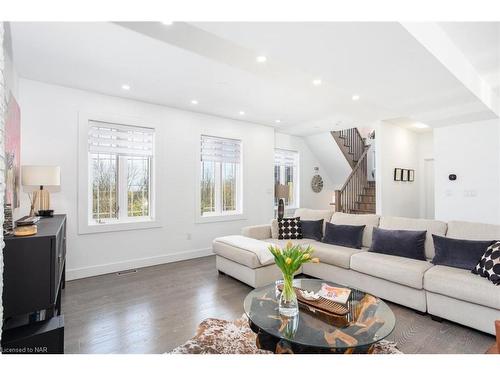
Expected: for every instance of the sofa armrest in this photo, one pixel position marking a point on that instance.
(258, 232)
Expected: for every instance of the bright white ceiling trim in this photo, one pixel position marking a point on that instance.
(437, 42)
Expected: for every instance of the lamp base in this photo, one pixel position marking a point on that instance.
(281, 209)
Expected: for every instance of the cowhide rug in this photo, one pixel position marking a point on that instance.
(218, 336)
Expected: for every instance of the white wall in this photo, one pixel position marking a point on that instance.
(472, 152)
(308, 198)
(425, 152)
(397, 147)
(49, 136)
(328, 153)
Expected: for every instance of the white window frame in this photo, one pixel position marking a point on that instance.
(86, 224)
(220, 215)
(296, 178)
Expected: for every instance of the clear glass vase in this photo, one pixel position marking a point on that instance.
(288, 305)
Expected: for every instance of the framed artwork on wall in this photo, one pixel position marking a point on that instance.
(411, 175)
(405, 175)
(397, 174)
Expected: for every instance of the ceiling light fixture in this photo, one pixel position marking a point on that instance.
(420, 125)
(277, 121)
(261, 59)
(242, 113)
(355, 97)
(125, 87)
(317, 82)
(194, 101)
(167, 23)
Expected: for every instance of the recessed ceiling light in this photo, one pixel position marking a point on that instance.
(242, 113)
(277, 121)
(194, 101)
(355, 97)
(261, 59)
(167, 23)
(125, 87)
(420, 125)
(317, 82)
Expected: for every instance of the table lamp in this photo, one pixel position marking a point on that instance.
(41, 176)
(281, 192)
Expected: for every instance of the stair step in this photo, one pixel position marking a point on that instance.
(365, 198)
(361, 212)
(369, 191)
(365, 206)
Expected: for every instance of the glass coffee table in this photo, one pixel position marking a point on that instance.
(367, 321)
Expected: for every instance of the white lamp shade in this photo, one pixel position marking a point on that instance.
(40, 175)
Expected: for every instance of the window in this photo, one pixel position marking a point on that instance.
(286, 172)
(120, 159)
(220, 182)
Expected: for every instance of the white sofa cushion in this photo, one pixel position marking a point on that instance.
(404, 223)
(333, 254)
(258, 232)
(282, 243)
(241, 256)
(473, 231)
(463, 285)
(248, 258)
(405, 271)
(308, 214)
(369, 220)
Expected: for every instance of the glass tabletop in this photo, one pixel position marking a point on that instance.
(368, 320)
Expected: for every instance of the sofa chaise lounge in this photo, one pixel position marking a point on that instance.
(444, 292)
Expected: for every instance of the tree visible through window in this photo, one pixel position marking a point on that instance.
(220, 176)
(120, 172)
(104, 186)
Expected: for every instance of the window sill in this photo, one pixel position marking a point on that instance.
(219, 218)
(86, 228)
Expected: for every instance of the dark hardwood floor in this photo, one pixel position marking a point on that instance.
(158, 308)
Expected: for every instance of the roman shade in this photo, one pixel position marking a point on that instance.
(108, 138)
(285, 157)
(220, 150)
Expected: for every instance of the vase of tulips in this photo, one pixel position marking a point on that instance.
(289, 260)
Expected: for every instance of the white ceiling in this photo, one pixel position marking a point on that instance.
(215, 64)
(480, 43)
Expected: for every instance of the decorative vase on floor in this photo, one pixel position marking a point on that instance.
(289, 260)
(288, 304)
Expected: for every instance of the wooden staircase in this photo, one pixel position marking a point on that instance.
(357, 195)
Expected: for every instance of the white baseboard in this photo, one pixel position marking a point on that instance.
(102, 269)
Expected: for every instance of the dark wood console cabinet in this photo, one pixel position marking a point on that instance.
(34, 275)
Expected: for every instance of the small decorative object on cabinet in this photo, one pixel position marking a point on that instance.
(34, 276)
(40, 176)
(281, 192)
(289, 260)
(8, 223)
(317, 181)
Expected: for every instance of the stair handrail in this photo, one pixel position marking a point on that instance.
(355, 144)
(340, 198)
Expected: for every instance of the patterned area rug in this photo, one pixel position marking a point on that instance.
(217, 336)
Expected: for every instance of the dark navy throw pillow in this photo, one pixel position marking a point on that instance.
(344, 235)
(403, 243)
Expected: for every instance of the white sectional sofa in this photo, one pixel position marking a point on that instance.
(445, 292)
